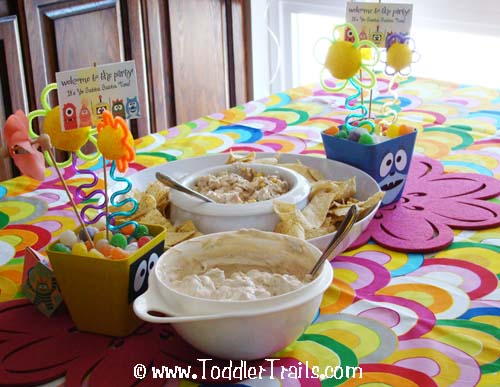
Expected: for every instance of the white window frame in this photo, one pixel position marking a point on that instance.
(479, 16)
(265, 50)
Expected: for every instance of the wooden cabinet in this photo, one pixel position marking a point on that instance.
(13, 94)
(207, 38)
(191, 55)
(65, 35)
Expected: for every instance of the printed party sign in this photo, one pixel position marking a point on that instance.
(377, 21)
(85, 93)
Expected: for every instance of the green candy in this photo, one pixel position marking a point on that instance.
(366, 139)
(141, 231)
(343, 134)
(118, 240)
(60, 248)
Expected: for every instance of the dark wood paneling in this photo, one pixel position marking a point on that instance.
(134, 29)
(12, 85)
(192, 56)
(199, 54)
(96, 45)
(4, 8)
(242, 43)
(73, 34)
(159, 64)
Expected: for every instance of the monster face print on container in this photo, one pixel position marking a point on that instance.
(387, 162)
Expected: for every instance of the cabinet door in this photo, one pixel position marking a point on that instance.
(65, 35)
(12, 85)
(208, 56)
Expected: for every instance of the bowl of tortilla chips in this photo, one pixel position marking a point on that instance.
(334, 187)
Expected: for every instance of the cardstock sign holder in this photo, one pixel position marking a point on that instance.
(387, 162)
(98, 291)
(84, 94)
(376, 21)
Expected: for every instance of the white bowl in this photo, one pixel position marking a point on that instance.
(332, 170)
(237, 329)
(218, 217)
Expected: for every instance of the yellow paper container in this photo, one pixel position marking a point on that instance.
(99, 292)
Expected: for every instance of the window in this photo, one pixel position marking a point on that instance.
(459, 40)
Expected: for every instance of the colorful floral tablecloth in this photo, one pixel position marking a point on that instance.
(406, 319)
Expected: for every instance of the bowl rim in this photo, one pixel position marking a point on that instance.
(181, 317)
(314, 283)
(299, 191)
(181, 167)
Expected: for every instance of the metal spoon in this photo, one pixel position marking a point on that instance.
(343, 230)
(172, 183)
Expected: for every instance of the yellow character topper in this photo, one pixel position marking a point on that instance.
(345, 59)
(399, 55)
(71, 141)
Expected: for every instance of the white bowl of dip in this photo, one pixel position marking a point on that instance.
(219, 217)
(228, 329)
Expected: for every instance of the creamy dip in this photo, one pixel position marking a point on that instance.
(252, 285)
(247, 186)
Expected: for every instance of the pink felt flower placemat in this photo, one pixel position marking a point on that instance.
(433, 204)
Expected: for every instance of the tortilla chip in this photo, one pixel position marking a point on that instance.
(136, 194)
(312, 175)
(146, 205)
(341, 212)
(317, 209)
(316, 174)
(290, 227)
(346, 189)
(266, 160)
(329, 202)
(282, 208)
(126, 207)
(186, 226)
(159, 191)
(289, 213)
(240, 158)
(300, 169)
(323, 185)
(156, 217)
(363, 207)
(172, 238)
(368, 204)
(317, 232)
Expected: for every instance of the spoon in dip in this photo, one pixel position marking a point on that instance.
(174, 184)
(342, 232)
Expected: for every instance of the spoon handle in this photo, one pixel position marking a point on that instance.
(174, 184)
(343, 230)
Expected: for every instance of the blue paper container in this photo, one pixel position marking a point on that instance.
(387, 162)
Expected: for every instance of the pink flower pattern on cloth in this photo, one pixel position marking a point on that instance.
(433, 204)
